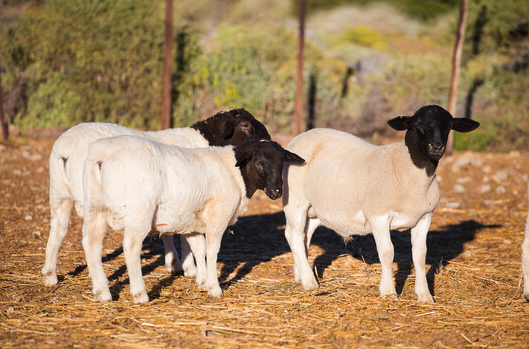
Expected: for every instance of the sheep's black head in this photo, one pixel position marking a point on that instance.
(261, 163)
(231, 127)
(429, 127)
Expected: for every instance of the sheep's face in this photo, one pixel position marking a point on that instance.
(431, 125)
(231, 127)
(261, 164)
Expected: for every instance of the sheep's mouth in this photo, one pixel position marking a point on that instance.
(436, 155)
(273, 193)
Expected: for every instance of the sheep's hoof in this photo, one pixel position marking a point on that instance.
(190, 272)
(174, 268)
(215, 291)
(50, 279)
(102, 296)
(311, 285)
(201, 282)
(392, 296)
(425, 298)
(140, 297)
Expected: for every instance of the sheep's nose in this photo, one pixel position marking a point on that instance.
(437, 146)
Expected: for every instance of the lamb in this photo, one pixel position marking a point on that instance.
(69, 152)
(138, 185)
(525, 256)
(356, 188)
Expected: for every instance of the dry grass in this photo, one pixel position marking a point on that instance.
(473, 260)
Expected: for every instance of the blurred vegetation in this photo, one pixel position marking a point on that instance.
(66, 62)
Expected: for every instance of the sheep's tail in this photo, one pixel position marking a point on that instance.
(58, 164)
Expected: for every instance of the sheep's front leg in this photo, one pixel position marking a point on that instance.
(132, 243)
(296, 219)
(188, 264)
(213, 240)
(380, 226)
(418, 246)
(197, 243)
(172, 262)
(60, 216)
(94, 230)
(525, 261)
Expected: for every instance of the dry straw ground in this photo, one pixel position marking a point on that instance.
(473, 260)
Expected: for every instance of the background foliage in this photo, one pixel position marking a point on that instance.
(66, 62)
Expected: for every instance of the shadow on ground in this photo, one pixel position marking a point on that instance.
(259, 238)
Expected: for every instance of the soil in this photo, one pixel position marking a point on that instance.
(473, 263)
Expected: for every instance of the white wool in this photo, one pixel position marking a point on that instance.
(66, 184)
(137, 185)
(356, 188)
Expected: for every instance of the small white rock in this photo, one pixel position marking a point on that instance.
(484, 188)
(458, 188)
(463, 180)
(501, 190)
(453, 204)
(36, 234)
(28, 217)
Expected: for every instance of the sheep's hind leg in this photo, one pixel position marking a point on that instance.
(94, 230)
(197, 243)
(418, 243)
(188, 264)
(132, 244)
(172, 262)
(380, 226)
(60, 216)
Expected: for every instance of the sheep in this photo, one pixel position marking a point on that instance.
(69, 152)
(356, 188)
(137, 185)
(525, 256)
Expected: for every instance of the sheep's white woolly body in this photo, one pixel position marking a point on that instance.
(73, 146)
(138, 184)
(365, 172)
(356, 188)
(66, 183)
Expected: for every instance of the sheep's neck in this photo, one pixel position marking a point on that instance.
(250, 186)
(419, 159)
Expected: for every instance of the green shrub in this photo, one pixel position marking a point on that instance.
(89, 61)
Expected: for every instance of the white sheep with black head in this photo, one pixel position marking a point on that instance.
(138, 186)
(69, 153)
(356, 188)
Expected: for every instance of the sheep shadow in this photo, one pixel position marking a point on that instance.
(151, 247)
(259, 238)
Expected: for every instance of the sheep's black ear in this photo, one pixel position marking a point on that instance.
(400, 123)
(293, 158)
(229, 129)
(243, 158)
(463, 124)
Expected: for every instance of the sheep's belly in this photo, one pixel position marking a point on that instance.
(358, 224)
(170, 220)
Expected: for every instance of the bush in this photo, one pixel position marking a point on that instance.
(89, 61)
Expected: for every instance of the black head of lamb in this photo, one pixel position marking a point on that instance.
(231, 127)
(427, 130)
(261, 164)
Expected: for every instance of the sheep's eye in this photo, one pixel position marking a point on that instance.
(245, 125)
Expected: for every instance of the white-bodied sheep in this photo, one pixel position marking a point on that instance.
(139, 186)
(356, 188)
(525, 256)
(69, 153)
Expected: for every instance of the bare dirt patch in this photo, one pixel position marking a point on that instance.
(473, 261)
